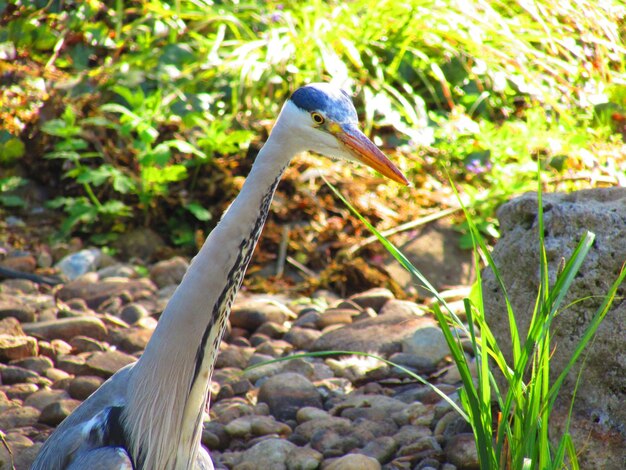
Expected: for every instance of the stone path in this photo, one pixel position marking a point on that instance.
(57, 345)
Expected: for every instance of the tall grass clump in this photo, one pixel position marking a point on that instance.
(516, 435)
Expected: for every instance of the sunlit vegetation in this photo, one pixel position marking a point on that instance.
(133, 106)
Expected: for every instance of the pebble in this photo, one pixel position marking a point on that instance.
(304, 432)
(55, 374)
(79, 263)
(286, 393)
(272, 329)
(256, 426)
(373, 298)
(12, 306)
(427, 343)
(105, 364)
(450, 424)
(44, 397)
(39, 364)
(275, 348)
(382, 449)
(131, 340)
(19, 391)
(20, 262)
(424, 446)
(460, 450)
(81, 387)
(117, 270)
(16, 375)
(354, 462)
(301, 338)
(214, 436)
(81, 344)
(308, 413)
(269, 453)
(17, 347)
(401, 306)
(336, 316)
(413, 362)
(233, 356)
(383, 403)
(72, 364)
(19, 417)
(303, 458)
(11, 326)
(58, 347)
(252, 313)
(133, 312)
(308, 319)
(67, 328)
(57, 411)
(169, 272)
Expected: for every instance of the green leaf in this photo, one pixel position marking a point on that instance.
(98, 121)
(60, 128)
(63, 155)
(9, 200)
(11, 150)
(184, 147)
(59, 202)
(96, 176)
(198, 211)
(80, 211)
(11, 182)
(114, 207)
(169, 174)
(122, 183)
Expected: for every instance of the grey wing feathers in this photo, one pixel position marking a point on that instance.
(78, 433)
(104, 458)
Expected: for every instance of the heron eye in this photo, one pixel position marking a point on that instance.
(317, 118)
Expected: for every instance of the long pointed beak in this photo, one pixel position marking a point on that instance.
(367, 153)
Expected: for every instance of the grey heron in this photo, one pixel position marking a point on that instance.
(149, 414)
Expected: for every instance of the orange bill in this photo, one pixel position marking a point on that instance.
(369, 154)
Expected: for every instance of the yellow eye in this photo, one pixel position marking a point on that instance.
(317, 118)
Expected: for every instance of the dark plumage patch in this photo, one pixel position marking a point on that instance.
(112, 433)
(332, 101)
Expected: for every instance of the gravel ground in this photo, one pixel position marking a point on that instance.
(58, 344)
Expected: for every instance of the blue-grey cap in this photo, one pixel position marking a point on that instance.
(334, 102)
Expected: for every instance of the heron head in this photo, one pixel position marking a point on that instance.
(323, 118)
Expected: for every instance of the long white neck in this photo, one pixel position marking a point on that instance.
(169, 385)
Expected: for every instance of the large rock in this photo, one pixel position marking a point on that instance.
(383, 334)
(602, 391)
(434, 250)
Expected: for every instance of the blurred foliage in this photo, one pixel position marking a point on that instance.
(137, 102)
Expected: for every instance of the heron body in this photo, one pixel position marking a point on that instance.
(149, 414)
